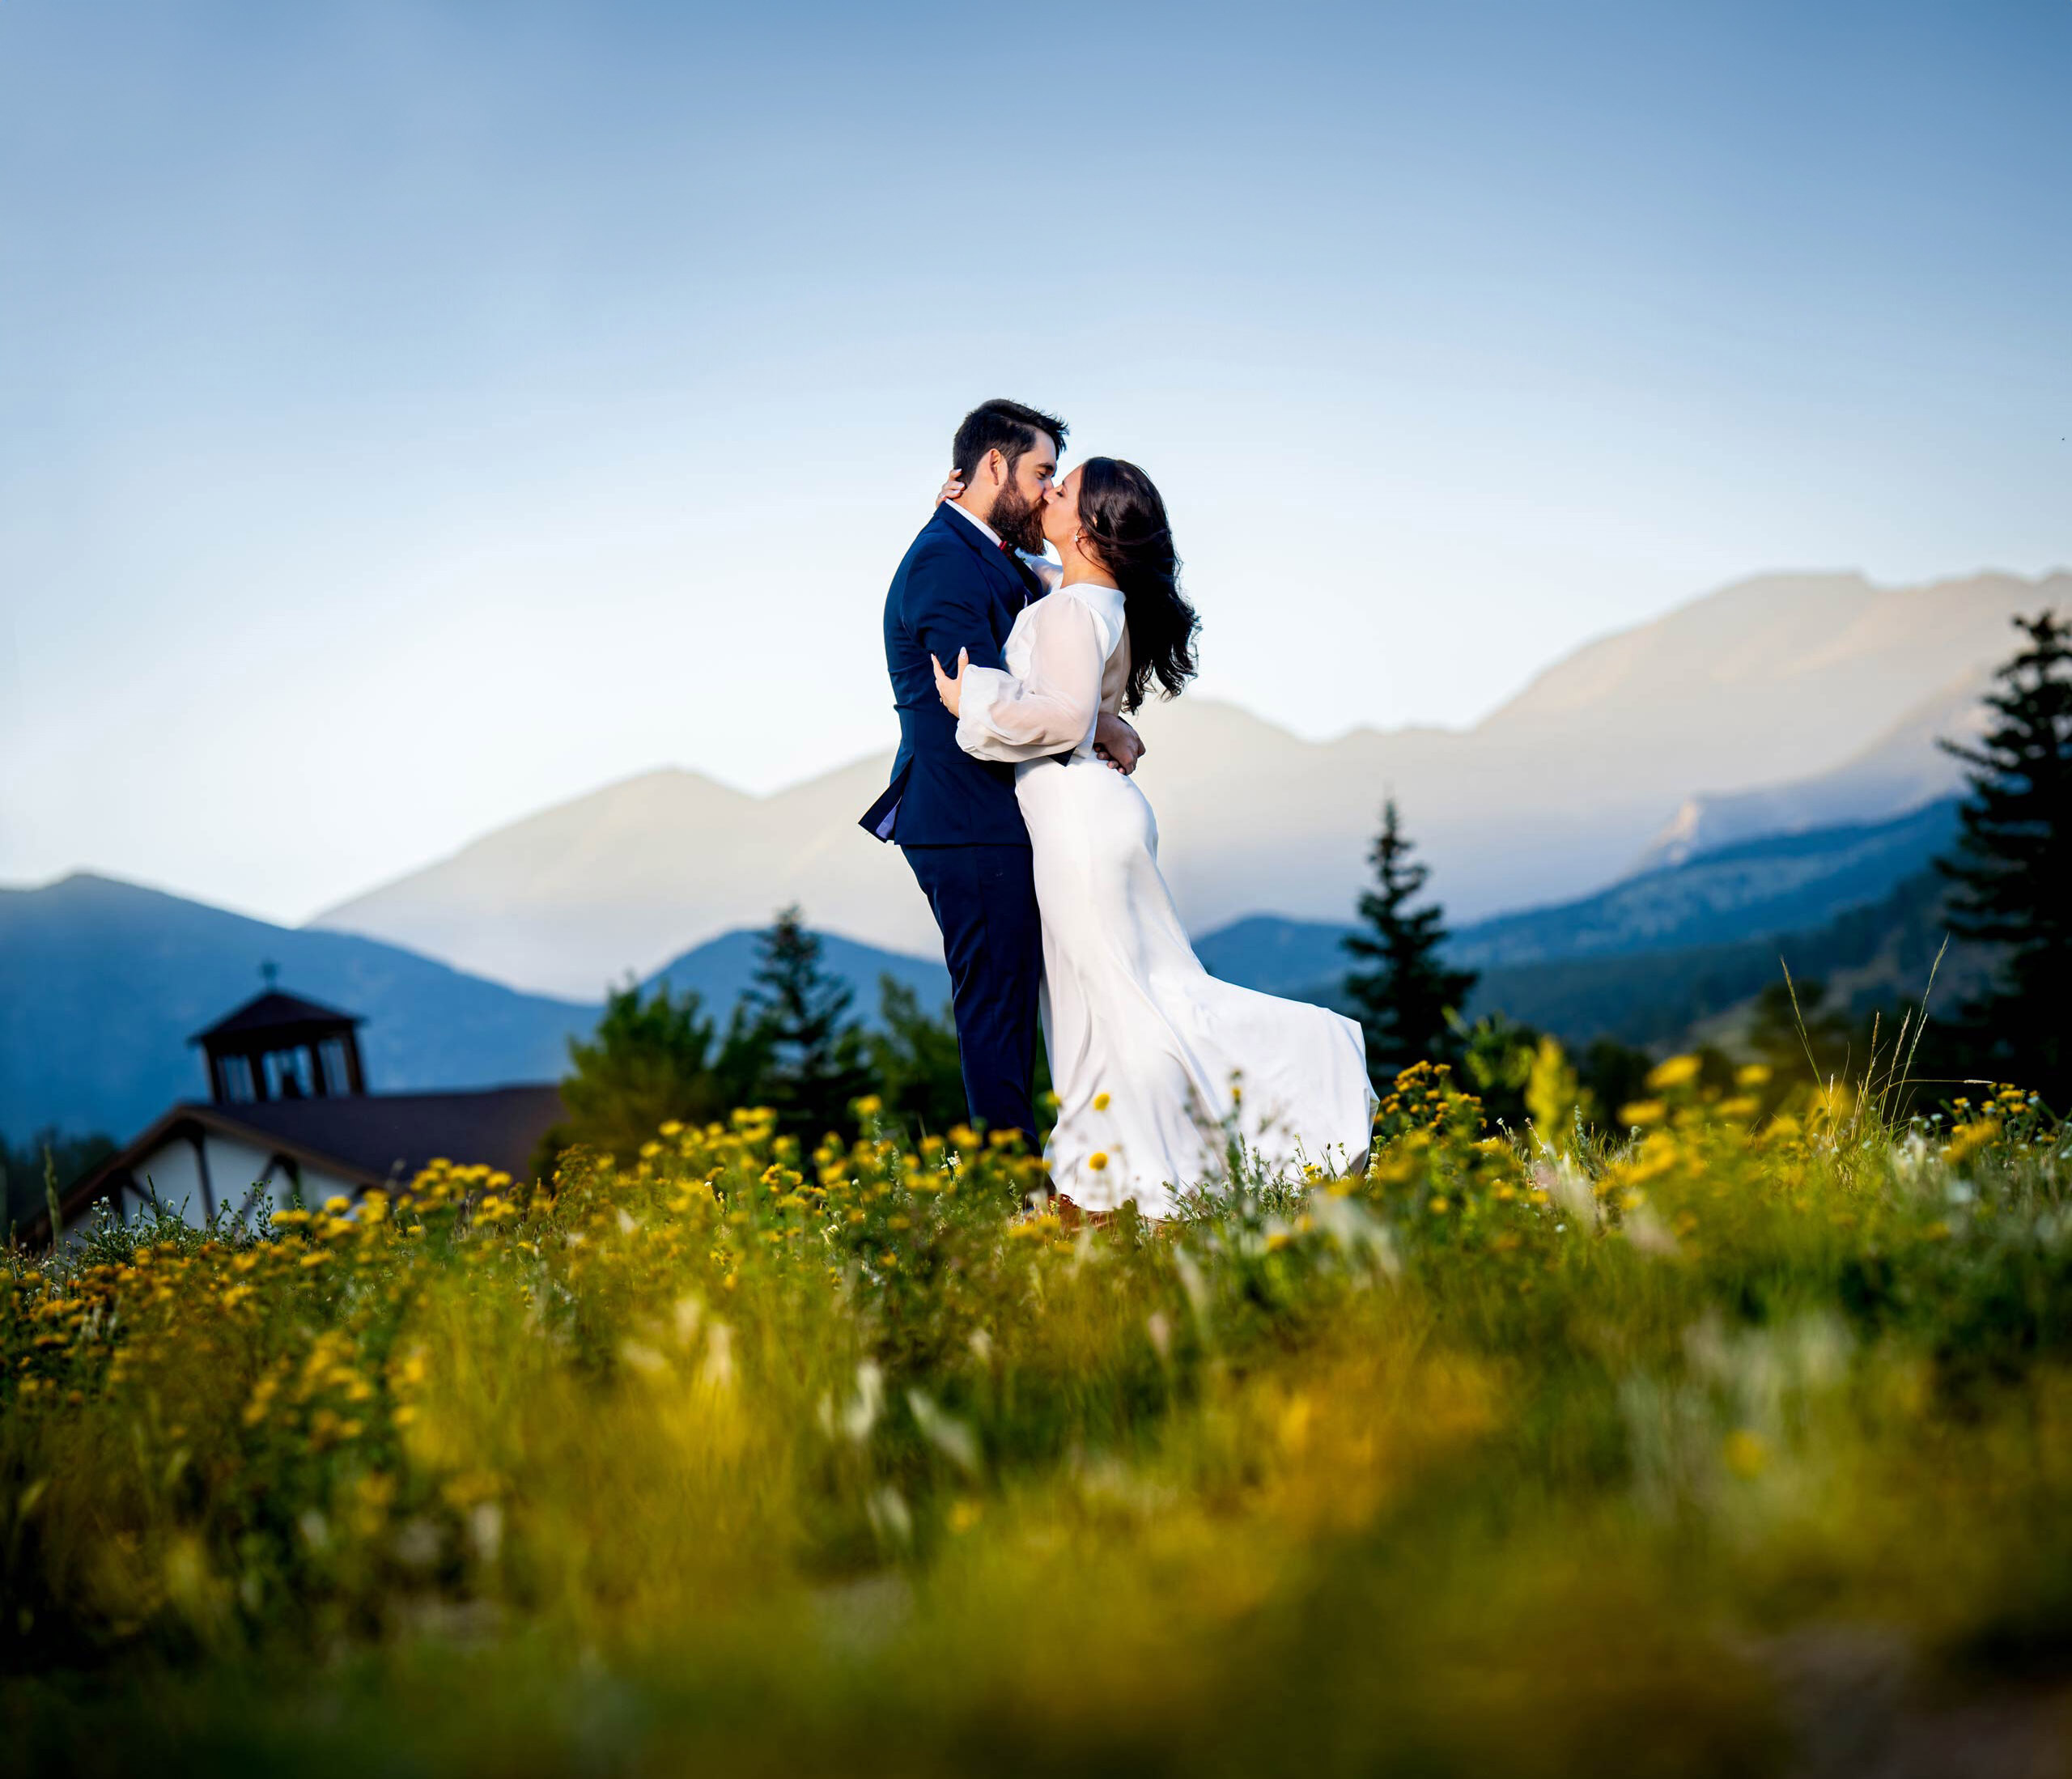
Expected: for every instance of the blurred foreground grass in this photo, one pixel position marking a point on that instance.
(1511, 1457)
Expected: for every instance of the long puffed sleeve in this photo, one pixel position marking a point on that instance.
(1052, 708)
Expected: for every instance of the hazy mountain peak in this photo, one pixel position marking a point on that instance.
(1899, 769)
(94, 890)
(1746, 626)
(76, 884)
(1774, 681)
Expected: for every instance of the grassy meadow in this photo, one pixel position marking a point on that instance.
(1739, 1444)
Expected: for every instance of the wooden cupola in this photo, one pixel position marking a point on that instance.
(279, 1047)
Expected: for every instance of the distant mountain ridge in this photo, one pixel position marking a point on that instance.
(1884, 955)
(720, 970)
(1876, 954)
(1902, 770)
(1780, 884)
(1819, 697)
(107, 981)
(1783, 681)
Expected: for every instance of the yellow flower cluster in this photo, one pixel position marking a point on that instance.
(394, 1393)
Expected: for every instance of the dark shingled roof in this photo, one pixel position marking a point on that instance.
(369, 1139)
(381, 1134)
(263, 1012)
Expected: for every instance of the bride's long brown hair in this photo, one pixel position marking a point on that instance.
(1124, 521)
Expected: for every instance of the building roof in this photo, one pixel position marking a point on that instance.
(369, 1139)
(382, 1134)
(271, 1012)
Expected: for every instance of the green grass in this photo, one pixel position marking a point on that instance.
(1503, 1459)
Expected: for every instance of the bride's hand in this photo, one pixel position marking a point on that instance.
(1117, 743)
(951, 691)
(950, 489)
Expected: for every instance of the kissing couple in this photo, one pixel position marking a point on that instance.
(1012, 800)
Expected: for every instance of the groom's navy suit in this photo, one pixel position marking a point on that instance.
(956, 818)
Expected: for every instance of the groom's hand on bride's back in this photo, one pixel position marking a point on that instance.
(1117, 743)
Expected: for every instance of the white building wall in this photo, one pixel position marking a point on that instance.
(244, 1178)
(171, 1175)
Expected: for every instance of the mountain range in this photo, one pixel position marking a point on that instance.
(108, 981)
(1782, 884)
(1902, 770)
(719, 971)
(1661, 806)
(1785, 703)
(1874, 955)
(111, 979)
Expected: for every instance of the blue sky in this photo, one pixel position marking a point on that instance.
(410, 415)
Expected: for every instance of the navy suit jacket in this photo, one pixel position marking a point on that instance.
(955, 589)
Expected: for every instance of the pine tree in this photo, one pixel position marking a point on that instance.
(1405, 995)
(2012, 867)
(799, 1013)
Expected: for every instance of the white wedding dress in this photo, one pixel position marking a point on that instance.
(1146, 1047)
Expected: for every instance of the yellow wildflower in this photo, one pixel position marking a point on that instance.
(1678, 1072)
(1746, 1454)
(1967, 1140)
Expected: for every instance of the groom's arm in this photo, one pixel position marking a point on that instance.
(948, 609)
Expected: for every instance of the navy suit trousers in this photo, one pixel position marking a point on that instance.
(984, 899)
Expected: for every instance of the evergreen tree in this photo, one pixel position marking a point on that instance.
(1404, 997)
(650, 1061)
(913, 1060)
(799, 1014)
(2012, 869)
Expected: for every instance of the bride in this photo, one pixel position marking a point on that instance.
(1149, 1054)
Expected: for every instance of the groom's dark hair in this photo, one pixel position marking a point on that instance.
(1005, 427)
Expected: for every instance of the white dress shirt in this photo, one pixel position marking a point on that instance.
(973, 519)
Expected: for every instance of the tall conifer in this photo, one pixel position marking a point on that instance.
(1404, 995)
(800, 1011)
(2011, 871)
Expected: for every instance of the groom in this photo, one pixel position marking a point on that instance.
(955, 818)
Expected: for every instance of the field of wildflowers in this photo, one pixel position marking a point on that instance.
(1735, 1444)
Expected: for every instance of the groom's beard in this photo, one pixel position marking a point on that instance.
(1018, 520)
